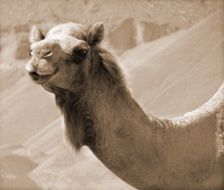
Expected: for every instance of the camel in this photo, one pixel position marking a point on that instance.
(99, 112)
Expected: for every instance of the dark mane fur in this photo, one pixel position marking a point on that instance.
(75, 105)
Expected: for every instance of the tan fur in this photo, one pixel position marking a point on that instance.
(146, 152)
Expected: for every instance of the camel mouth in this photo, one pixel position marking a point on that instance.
(40, 79)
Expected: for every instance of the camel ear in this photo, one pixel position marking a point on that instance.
(96, 34)
(36, 35)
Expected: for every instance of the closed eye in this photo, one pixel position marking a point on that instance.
(47, 54)
(44, 54)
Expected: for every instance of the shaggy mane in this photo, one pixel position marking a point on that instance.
(78, 115)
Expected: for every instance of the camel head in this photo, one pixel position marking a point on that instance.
(62, 58)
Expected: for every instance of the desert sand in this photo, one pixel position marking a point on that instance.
(172, 57)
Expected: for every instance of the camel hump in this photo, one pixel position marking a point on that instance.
(214, 106)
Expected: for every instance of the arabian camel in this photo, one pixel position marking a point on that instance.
(146, 152)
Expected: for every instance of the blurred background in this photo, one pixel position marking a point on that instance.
(170, 51)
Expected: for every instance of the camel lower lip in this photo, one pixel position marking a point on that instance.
(40, 79)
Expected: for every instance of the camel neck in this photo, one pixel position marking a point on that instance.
(118, 124)
(109, 121)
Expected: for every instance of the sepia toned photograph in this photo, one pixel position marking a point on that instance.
(112, 95)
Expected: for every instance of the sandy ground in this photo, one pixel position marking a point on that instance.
(171, 52)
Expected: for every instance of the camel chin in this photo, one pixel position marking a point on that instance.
(39, 79)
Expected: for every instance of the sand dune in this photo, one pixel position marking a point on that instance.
(25, 109)
(40, 141)
(13, 173)
(185, 70)
(12, 76)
